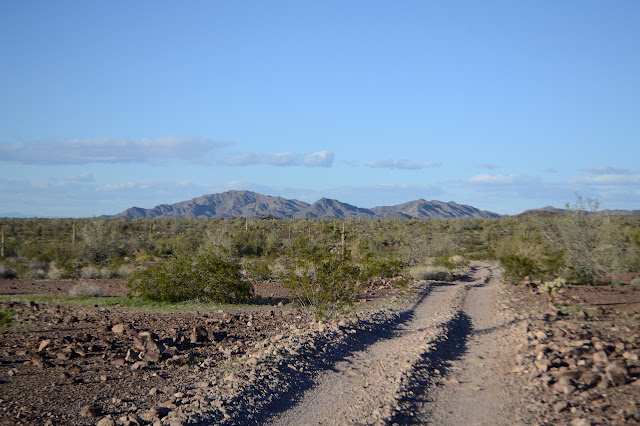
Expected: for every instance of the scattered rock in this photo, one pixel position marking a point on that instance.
(91, 410)
(617, 372)
(118, 328)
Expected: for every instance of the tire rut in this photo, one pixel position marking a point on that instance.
(463, 380)
(388, 380)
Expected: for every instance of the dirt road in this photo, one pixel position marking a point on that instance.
(442, 365)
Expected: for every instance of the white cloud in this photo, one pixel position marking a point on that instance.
(606, 170)
(110, 150)
(319, 159)
(401, 164)
(499, 179)
(283, 159)
(608, 179)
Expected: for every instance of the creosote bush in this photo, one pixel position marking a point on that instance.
(324, 286)
(205, 276)
(518, 266)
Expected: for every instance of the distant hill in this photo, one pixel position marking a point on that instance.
(253, 205)
(15, 215)
(224, 205)
(422, 209)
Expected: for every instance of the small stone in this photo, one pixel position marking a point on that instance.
(581, 315)
(564, 385)
(77, 350)
(91, 410)
(600, 357)
(106, 421)
(131, 356)
(139, 365)
(589, 378)
(560, 406)
(43, 344)
(541, 335)
(169, 352)
(64, 355)
(118, 328)
(199, 334)
(617, 373)
(118, 361)
(152, 356)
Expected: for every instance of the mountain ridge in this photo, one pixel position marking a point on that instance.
(250, 204)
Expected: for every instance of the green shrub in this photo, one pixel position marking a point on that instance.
(5, 318)
(259, 270)
(325, 285)
(381, 268)
(206, 276)
(636, 282)
(517, 266)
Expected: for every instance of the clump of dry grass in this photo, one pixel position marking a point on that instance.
(86, 289)
(431, 272)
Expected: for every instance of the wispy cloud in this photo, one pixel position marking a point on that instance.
(83, 177)
(499, 179)
(284, 159)
(110, 150)
(608, 179)
(606, 170)
(487, 166)
(401, 164)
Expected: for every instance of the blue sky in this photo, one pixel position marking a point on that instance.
(502, 105)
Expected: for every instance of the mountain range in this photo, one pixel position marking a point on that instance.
(254, 205)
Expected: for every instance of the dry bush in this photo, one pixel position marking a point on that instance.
(459, 261)
(124, 271)
(86, 289)
(90, 272)
(431, 272)
(54, 273)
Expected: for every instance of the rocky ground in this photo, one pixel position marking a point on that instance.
(580, 364)
(257, 364)
(90, 365)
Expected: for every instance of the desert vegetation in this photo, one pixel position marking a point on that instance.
(323, 263)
